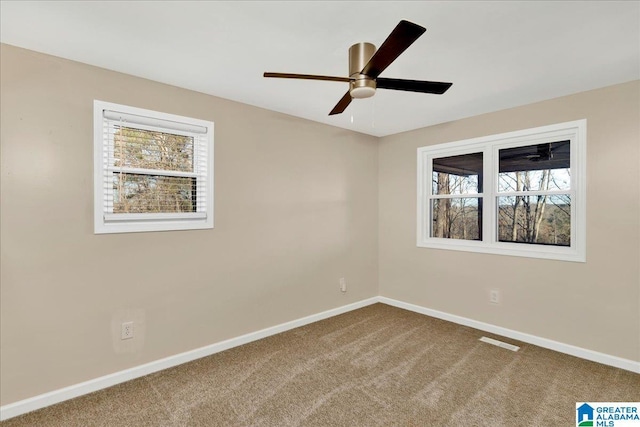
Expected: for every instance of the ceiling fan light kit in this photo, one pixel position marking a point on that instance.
(366, 64)
(361, 86)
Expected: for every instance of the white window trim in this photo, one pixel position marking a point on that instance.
(151, 120)
(575, 131)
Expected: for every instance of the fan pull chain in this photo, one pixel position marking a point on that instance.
(373, 113)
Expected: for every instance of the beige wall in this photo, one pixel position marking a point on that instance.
(594, 305)
(296, 209)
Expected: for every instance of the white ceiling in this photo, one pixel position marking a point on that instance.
(497, 54)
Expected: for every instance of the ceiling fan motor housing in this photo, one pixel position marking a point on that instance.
(361, 86)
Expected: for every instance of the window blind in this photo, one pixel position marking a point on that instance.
(134, 119)
(154, 169)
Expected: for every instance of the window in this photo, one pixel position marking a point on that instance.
(520, 193)
(152, 171)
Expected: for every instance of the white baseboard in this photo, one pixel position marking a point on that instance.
(60, 395)
(582, 353)
(56, 396)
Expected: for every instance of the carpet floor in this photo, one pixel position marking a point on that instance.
(376, 366)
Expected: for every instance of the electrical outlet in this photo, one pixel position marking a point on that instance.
(343, 285)
(494, 296)
(127, 331)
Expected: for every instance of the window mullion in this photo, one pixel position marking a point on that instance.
(490, 167)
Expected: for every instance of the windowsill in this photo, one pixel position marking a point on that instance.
(512, 249)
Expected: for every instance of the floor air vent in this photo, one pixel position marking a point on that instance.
(500, 344)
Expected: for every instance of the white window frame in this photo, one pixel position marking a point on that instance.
(574, 131)
(108, 222)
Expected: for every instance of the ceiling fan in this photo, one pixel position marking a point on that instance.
(366, 64)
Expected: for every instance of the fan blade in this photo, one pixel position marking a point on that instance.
(307, 77)
(413, 85)
(398, 41)
(342, 104)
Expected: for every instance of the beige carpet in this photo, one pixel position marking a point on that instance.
(377, 366)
